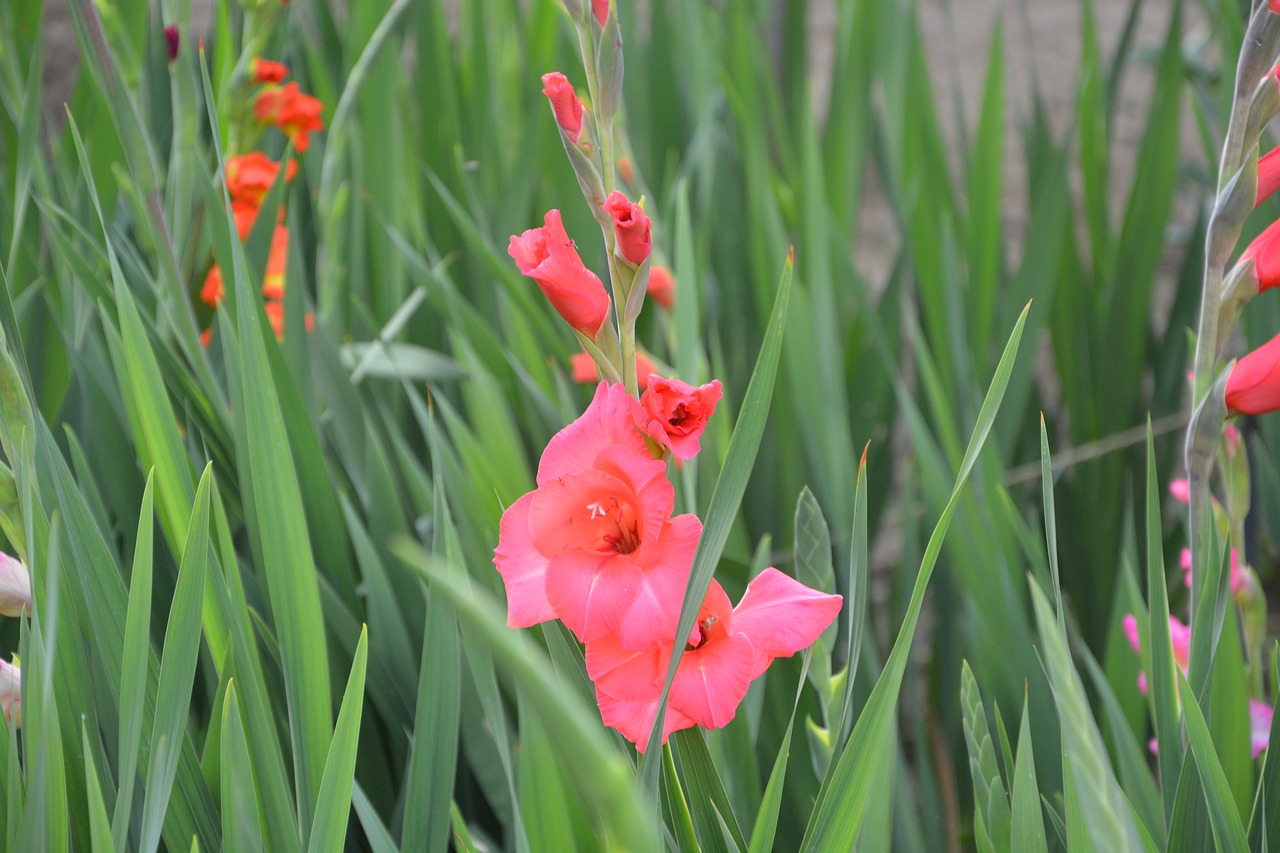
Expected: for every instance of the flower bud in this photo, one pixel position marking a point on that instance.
(631, 228)
(15, 587)
(564, 104)
(662, 286)
(171, 42)
(600, 9)
(547, 256)
(266, 71)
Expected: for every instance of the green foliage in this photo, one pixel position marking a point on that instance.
(330, 501)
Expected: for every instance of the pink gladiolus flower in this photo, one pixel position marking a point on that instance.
(15, 587)
(1259, 726)
(600, 8)
(547, 256)
(678, 413)
(662, 286)
(1237, 580)
(631, 228)
(11, 692)
(1131, 633)
(1179, 636)
(727, 649)
(595, 544)
(1253, 388)
(1181, 491)
(564, 104)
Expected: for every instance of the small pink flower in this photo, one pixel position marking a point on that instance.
(1237, 579)
(1253, 387)
(677, 413)
(1259, 726)
(600, 8)
(547, 256)
(595, 543)
(564, 104)
(1131, 633)
(1232, 437)
(15, 587)
(631, 228)
(1181, 490)
(726, 650)
(662, 286)
(1180, 636)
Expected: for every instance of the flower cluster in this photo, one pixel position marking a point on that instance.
(251, 175)
(597, 546)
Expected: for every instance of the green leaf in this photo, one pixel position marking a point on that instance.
(99, 823)
(177, 669)
(849, 786)
(1027, 829)
(988, 785)
(708, 802)
(241, 829)
(815, 569)
(1100, 812)
(1228, 831)
(333, 808)
(766, 824)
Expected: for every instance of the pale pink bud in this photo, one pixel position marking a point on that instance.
(15, 587)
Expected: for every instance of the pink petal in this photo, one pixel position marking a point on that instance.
(1259, 726)
(1181, 490)
(652, 619)
(1131, 633)
(782, 615)
(610, 419)
(712, 679)
(624, 674)
(523, 568)
(1180, 636)
(590, 591)
(634, 720)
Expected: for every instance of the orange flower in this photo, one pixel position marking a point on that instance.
(277, 260)
(266, 71)
(290, 110)
(249, 176)
(662, 286)
(212, 292)
(275, 316)
(206, 337)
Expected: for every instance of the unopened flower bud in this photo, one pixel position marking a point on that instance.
(171, 42)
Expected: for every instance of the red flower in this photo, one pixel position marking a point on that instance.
(249, 176)
(662, 286)
(277, 259)
(212, 292)
(290, 110)
(1253, 388)
(631, 227)
(564, 103)
(266, 71)
(600, 8)
(548, 257)
(677, 413)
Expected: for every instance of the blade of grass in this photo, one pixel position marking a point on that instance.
(846, 792)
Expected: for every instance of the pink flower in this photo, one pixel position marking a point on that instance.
(564, 104)
(547, 256)
(662, 286)
(677, 413)
(1179, 636)
(1232, 437)
(726, 650)
(595, 544)
(1259, 726)
(1181, 490)
(15, 587)
(600, 8)
(1237, 579)
(11, 692)
(631, 227)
